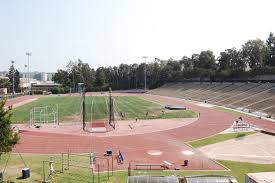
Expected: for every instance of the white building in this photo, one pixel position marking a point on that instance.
(24, 83)
(41, 76)
(47, 76)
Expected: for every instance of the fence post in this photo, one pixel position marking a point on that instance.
(108, 169)
(44, 172)
(68, 160)
(112, 165)
(129, 169)
(98, 173)
(62, 163)
(93, 175)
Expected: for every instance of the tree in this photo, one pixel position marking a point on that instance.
(186, 62)
(154, 75)
(256, 52)
(62, 77)
(206, 60)
(13, 71)
(231, 59)
(7, 137)
(76, 72)
(271, 49)
(100, 77)
(224, 60)
(4, 83)
(231, 63)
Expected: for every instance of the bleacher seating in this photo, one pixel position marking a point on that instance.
(254, 97)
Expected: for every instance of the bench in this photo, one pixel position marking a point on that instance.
(120, 157)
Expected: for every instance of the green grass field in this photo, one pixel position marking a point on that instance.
(96, 108)
(218, 138)
(79, 175)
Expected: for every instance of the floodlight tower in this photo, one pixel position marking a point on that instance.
(28, 55)
(24, 76)
(13, 93)
(145, 72)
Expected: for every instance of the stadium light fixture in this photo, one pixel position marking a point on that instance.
(13, 93)
(145, 72)
(28, 55)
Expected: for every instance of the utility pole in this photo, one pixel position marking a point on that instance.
(145, 73)
(82, 92)
(28, 55)
(84, 110)
(111, 110)
(25, 76)
(110, 107)
(13, 92)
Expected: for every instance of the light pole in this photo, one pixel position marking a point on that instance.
(25, 77)
(13, 93)
(28, 55)
(145, 75)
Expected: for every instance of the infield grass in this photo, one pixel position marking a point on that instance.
(130, 107)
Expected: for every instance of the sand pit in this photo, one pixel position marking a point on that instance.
(256, 148)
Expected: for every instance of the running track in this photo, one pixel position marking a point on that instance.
(135, 147)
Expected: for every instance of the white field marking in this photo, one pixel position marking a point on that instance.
(188, 153)
(154, 152)
(167, 163)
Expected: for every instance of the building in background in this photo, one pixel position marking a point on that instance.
(38, 81)
(3, 85)
(40, 76)
(43, 88)
(25, 85)
(3, 91)
(47, 76)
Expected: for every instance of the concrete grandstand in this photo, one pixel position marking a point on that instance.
(257, 98)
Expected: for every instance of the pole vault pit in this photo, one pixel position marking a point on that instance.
(174, 107)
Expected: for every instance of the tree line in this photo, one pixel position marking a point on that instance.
(256, 57)
(7, 83)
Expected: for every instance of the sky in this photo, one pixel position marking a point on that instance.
(110, 32)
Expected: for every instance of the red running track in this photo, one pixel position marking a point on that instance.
(17, 101)
(169, 143)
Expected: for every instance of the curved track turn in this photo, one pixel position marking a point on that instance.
(137, 148)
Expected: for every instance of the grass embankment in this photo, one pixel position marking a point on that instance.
(79, 175)
(218, 138)
(130, 107)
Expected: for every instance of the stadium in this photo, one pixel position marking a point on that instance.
(140, 91)
(145, 134)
